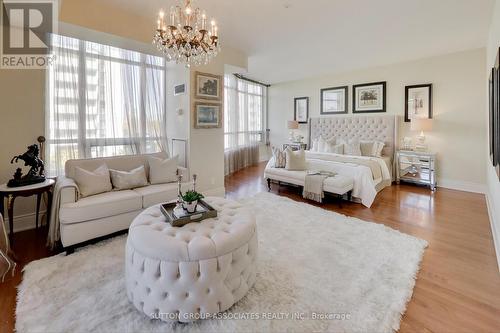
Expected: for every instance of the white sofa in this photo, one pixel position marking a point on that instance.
(83, 219)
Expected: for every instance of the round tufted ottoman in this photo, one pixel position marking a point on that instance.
(190, 272)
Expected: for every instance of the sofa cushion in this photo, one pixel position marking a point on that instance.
(100, 206)
(93, 182)
(155, 194)
(162, 171)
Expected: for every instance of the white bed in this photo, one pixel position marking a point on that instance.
(367, 182)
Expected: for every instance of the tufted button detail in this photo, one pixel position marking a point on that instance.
(198, 249)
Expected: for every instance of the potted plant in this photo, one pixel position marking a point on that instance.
(190, 200)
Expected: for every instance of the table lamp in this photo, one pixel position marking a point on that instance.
(292, 125)
(422, 125)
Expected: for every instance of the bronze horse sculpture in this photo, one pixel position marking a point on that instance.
(36, 174)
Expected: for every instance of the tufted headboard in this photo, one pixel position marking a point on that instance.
(373, 127)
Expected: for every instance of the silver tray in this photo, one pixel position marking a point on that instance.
(203, 211)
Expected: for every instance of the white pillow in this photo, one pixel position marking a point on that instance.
(336, 149)
(93, 182)
(123, 180)
(377, 148)
(295, 160)
(322, 145)
(314, 145)
(352, 148)
(162, 171)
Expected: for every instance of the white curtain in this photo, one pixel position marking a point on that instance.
(103, 101)
(244, 119)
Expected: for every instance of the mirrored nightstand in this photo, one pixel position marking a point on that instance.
(295, 146)
(416, 167)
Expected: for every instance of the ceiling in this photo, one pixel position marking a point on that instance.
(294, 39)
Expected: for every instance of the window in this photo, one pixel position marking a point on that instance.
(244, 112)
(102, 101)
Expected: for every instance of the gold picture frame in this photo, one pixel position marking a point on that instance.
(207, 115)
(208, 86)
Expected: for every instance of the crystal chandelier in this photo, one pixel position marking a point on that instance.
(185, 38)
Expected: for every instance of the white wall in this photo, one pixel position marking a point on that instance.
(459, 129)
(493, 185)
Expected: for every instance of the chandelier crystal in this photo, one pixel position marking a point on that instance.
(186, 38)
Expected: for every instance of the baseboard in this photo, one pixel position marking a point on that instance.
(495, 227)
(24, 221)
(462, 185)
(215, 192)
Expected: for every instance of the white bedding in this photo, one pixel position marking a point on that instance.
(364, 185)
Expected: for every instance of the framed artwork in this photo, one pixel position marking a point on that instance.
(418, 101)
(301, 109)
(179, 89)
(496, 114)
(208, 86)
(333, 100)
(491, 118)
(368, 97)
(207, 115)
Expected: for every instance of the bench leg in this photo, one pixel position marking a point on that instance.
(268, 184)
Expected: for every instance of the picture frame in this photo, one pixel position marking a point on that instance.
(208, 86)
(301, 110)
(418, 101)
(369, 97)
(179, 89)
(334, 100)
(207, 115)
(496, 114)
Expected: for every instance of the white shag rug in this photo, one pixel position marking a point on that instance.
(358, 275)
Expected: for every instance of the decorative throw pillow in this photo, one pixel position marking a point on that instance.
(162, 171)
(377, 148)
(295, 160)
(366, 148)
(314, 145)
(336, 149)
(123, 180)
(322, 145)
(93, 182)
(279, 158)
(371, 148)
(352, 148)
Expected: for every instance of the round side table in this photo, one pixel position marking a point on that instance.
(11, 193)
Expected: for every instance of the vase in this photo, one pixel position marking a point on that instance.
(190, 206)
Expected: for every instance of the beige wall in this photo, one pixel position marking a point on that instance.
(22, 96)
(207, 145)
(493, 192)
(458, 103)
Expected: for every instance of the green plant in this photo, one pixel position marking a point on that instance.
(191, 196)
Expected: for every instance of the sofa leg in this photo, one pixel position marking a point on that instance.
(268, 184)
(349, 196)
(69, 250)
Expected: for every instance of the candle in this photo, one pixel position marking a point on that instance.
(215, 32)
(159, 24)
(203, 21)
(213, 26)
(172, 16)
(188, 15)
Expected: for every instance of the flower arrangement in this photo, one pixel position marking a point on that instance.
(189, 200)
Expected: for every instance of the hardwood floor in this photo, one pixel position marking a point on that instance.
(458, 286)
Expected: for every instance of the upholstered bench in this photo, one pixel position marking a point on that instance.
(186, 273)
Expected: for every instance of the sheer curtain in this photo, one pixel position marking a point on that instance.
(103, 101)
(244, 117)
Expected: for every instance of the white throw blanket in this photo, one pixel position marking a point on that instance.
(313, 185)
(54, 231)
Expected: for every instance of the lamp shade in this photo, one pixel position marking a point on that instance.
(421, 124)
(292, 124)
